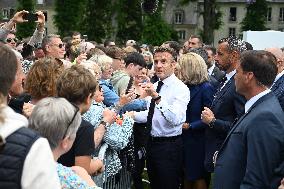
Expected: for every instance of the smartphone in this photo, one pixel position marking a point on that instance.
(31, 17)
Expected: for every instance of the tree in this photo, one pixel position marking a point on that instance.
(129, 20)
(25, 29)
(255, 16)
(211, 19)
(156, 30)
(69, 15)
(97, 21)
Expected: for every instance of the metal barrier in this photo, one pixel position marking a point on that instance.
(122, 180)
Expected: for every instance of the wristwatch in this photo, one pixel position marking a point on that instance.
(104, 123)
(157, 98)
(212, 123)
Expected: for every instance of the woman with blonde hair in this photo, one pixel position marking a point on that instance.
(193, 72)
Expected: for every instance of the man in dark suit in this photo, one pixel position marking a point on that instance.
(213, 70)
(252, 155)
(227, 104)
(278, 84)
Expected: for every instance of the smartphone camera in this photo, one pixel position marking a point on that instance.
(31, 17)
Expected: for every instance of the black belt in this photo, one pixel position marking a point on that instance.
(164, 139)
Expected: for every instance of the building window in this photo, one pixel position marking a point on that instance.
(179, 17)
(233, 14)
(39, 2)
(12, 12)
(281, 14)
(181, 34)
(232, 31)
(5, 13)
(268, 14)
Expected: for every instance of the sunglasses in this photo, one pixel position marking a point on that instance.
(9, 40)
(61, 45)
(76, 111)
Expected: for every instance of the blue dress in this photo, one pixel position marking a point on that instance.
(194, 138)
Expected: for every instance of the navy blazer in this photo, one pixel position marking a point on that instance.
(200, 96)
(226, 106)
(252, 155)
(278, 90)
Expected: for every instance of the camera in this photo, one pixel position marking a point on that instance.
(31, 17)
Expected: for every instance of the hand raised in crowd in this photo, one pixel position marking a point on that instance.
(207, 115)
(109, 116)
(28, 109)
(148, 90)
(126, 98)
(40, 20)
(18, 17)
(82, 57)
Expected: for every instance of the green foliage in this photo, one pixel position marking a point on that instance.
(129, 20)
(69, 16)
(97, 21)
(156, 30)
(25, 29)
(255, 17)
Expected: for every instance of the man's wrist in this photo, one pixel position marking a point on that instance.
(104, 123)
(211, 124)
(157, 98)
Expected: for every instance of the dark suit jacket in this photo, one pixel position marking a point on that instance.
(252, 154)
(278, 90)
(226, 106)
(217, 74)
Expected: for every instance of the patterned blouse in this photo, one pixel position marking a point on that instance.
(116, 136)
(70, 180)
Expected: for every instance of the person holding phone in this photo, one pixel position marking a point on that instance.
(7, 31)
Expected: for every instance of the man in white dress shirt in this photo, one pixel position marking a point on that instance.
(165, 116)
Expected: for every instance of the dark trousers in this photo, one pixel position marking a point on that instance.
(137, 173)
(164, 163)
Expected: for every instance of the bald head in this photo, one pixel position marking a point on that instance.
(277, 52)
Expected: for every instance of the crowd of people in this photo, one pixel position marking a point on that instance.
(192, 114)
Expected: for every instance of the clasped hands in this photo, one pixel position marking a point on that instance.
(207, 115)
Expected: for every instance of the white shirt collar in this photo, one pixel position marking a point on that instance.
(210, 70)
(278, 76)
(251, 101)
(230, 75)
(167, 81)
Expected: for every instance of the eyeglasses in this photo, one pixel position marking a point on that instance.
(76, 111)
(61, 45)
(9, 40)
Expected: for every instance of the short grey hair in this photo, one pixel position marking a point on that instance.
(103, 61)
(52, 118)
(47, 40)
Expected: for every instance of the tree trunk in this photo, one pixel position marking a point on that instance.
(209, 17)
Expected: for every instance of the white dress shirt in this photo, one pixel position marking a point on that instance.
(253, 100)
(229, 76)
(170, 113)
(210, 70)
